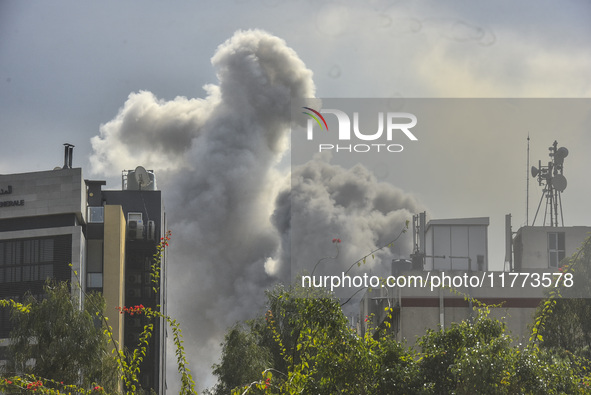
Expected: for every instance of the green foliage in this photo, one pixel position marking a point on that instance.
(564, 320)
(243, 359)
(313, 351)
(466, 355)
(67, 344)
(480, 357)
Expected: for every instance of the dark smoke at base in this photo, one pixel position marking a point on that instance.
(229, 205)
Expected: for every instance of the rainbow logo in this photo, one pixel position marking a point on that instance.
(316, 117)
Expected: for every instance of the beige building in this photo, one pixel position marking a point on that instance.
(418, 308)
(436, 298)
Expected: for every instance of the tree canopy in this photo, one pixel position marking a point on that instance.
(564, 319)
(304, 344)
(53, 338)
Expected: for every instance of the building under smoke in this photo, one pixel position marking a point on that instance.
(51, 219)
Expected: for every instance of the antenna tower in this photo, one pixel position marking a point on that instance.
(553, 182)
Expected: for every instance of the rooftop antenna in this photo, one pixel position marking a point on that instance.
(554, 183)
(418, 240)
(527, 186)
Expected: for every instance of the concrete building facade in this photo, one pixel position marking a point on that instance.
(541, 247)
(536, 251)
(51, 219)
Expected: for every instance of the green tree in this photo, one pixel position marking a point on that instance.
(564, 319)
(67, 344)
(243, 360)
(480, 357)
(314, 351)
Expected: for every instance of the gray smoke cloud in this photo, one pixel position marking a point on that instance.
(237, 214)
(326, 201)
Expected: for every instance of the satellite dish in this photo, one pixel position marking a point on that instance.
(561, 153)
(534, 171)
(142, 177)
(559, 182)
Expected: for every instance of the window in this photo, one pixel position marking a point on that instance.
(96, 215)
(31, 259)
(95, 280)
(556, 250)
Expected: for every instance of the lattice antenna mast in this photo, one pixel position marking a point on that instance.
(553, 182)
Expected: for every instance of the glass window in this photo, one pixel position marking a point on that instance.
(27, 273)
(95, 280)
(45, 271)
(12, 253)
(556, 248)
(35, 272)
(46, 250)
(552, 241)
(96, 215)
(32, 259)
(94, 254)
(13, 274)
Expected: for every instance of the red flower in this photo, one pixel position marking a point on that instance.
(132, 310)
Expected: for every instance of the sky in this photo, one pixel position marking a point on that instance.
(193, 91)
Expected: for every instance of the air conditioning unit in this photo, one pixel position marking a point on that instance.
(135, 322)
(135, 226)
(151, 233)
(148, 264)
(134, 292)
(134, 279)
(132, 340)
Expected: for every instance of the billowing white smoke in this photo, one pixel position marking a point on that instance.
(227, 202)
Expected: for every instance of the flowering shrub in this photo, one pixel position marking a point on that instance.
(139, 309)
(35, 385)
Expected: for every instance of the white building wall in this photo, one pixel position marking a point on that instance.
(461, 241)
(530, 245)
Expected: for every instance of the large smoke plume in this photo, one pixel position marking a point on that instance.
(228, 198)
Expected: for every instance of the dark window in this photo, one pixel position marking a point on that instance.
(556, 248)
(25, 264)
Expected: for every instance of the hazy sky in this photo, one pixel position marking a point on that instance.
(132, 75)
